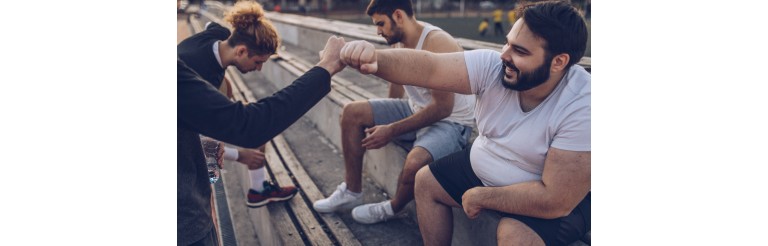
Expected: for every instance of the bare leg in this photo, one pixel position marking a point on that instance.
(433, 207)
(355, 117)
(416, 159)
(513, 232)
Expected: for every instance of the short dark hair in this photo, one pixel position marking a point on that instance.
(560, 25)
(388, 7)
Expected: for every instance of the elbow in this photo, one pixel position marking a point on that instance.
(555, 213)
(445, 110)
(445, 113)
(555, 209)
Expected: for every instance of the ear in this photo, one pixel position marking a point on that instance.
(559, 62)
(398, 16)
(240, 50)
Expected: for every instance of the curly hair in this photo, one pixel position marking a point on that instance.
(252, 29)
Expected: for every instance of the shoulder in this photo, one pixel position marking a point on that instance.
(579, 81)
(440, 41)
(217, 30)
(483, 55)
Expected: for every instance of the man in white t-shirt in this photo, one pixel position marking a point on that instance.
(531, 160)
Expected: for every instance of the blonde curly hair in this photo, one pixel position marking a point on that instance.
(252, 29)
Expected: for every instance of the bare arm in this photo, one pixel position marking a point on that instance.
(440, 107)
(565, 182)
(396, 91)
(446, 72)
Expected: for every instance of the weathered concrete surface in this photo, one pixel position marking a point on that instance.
(324, 163)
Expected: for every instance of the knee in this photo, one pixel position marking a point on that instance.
(421, 184)
(410, 169)
(349, 114)
(514, 232)
(352, 114)
(504, 230)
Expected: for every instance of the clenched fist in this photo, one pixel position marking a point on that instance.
(360, 55)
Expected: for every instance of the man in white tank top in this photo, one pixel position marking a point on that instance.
(531, 161)
(438, 122)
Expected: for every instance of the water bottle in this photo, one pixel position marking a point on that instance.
(211, 152)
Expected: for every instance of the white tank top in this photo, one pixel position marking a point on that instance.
(418, 97)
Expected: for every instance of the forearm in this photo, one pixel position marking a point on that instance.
(331, 66)
(405, 66)
(279, 111)
(439, 71)
(427, 116)
(528, 198)
(396, 91)
(210, 113)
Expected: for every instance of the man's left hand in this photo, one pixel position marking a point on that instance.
(471, 204)
(378, 136)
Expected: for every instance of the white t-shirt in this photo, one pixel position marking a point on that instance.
(419, 97)
(512, 144)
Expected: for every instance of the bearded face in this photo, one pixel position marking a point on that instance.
(514, 79)
(395, 34)
(387, 28)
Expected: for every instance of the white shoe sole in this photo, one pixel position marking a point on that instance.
(339, 208)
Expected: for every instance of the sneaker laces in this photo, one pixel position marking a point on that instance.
(269, 187)
(338, 194)
(378, 211)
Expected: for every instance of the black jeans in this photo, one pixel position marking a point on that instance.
(212, 239)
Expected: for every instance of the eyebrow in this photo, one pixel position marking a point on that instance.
(518, 47)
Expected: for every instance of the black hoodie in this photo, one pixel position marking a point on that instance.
(201, 109)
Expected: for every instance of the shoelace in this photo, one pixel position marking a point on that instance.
(378, 212)
(340, 195)
(269, 187)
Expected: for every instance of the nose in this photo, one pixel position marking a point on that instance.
(506, 53)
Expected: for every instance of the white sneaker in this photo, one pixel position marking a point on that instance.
(373, 213)
(340, 199)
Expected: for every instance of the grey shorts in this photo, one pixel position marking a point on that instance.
(439, 139)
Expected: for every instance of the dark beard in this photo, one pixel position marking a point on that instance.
(527, 81)
(397, 35)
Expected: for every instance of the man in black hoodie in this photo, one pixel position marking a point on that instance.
(250, 43)
(201, 109)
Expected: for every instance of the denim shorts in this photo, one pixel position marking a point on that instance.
(439, 139)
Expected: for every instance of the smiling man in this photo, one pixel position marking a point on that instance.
(531, 161)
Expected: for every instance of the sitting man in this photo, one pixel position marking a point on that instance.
(531, 160)
(439, 122)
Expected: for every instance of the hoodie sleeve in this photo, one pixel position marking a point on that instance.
(201, 108)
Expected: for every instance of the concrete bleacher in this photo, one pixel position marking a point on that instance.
(307, 35)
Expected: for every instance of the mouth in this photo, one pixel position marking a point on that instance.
(509, 72)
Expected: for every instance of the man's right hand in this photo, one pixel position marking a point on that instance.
(254, 159)
(360, 55)
(329, 56)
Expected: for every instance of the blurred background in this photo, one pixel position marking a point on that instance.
(460, 18)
